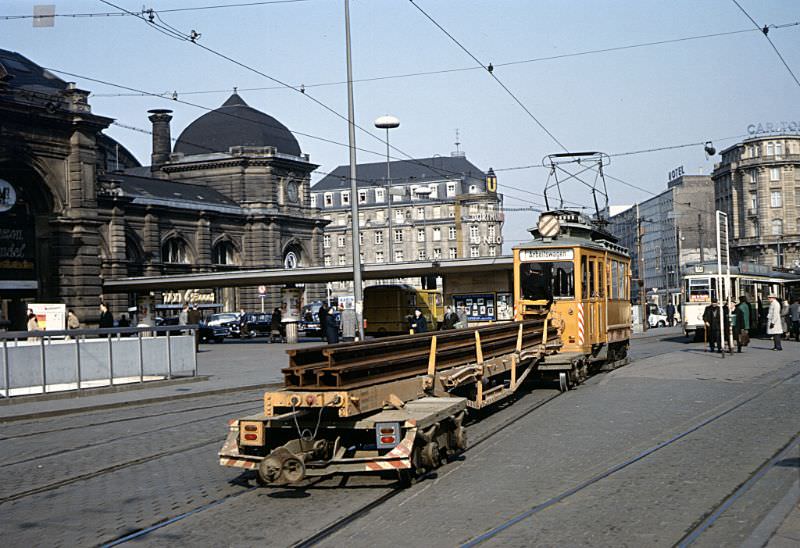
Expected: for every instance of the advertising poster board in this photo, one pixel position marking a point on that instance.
(480, 307)
(505, 306)
(51, 317)
(292, 301)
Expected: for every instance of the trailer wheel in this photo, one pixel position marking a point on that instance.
(563, 383)
(269, 470)
(293, 470)
(431, 457)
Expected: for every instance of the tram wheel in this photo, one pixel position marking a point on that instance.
(563, 383)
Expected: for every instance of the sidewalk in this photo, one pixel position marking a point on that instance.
(231, 366)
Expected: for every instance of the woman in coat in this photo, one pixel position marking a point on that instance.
(774, 325)
(331, 329)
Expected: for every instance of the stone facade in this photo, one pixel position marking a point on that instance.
(234, 193)
(758, 184)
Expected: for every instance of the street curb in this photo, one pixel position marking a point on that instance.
(118, 405)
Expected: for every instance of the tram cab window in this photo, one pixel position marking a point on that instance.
(547, 280)
(701, 290)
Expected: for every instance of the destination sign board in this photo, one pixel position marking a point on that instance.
(531, 255)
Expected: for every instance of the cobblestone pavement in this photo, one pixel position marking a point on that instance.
(90, 478)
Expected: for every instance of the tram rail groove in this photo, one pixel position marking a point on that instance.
(116, 421)
(711, 517)
(616, 468)
(107, 470)
(119, 438)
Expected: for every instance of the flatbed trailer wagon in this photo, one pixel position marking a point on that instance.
(393, 405)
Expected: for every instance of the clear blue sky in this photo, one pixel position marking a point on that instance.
(619, 101)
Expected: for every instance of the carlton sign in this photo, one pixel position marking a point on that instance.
(776, 127)
(190, 296)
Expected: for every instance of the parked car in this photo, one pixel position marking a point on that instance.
(309, 324)
(256, 324)
(658, 317)
(215, 333)
(231, 320)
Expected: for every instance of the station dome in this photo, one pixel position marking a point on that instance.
(233, 124)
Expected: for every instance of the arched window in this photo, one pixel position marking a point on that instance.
(224, 252)
(777, 227)
(174, 251)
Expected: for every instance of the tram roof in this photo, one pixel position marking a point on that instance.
(743, 269)
(280, 276)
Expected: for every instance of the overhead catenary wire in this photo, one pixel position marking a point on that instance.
(765, 31)
(490, 69)
(461, 69)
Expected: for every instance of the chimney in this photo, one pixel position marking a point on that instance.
(162, 143)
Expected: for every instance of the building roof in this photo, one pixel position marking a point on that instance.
(133, 186)
(17, 71)
(402, 171)
(235, 123)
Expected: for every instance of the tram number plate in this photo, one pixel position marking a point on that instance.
(546, 255)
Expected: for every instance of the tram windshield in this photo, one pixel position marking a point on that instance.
(547, 280)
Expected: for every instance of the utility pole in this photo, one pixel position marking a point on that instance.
(640, 258)
(357, 289)
(700, 237)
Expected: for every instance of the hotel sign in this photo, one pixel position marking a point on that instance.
(776, 127)
(533, 255)
(190, 296)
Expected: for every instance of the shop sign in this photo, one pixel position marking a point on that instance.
(17, 249)
(188, 296)
(533, 255)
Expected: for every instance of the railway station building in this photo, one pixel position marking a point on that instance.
(757, 183)
(76, 208)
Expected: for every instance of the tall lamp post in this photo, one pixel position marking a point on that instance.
(358, 295)
(388, 122)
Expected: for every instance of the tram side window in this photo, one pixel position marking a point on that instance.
(623, 278)
(614, 280)
(592, 286)
(601, 279)
(547, 281)
(584, 278)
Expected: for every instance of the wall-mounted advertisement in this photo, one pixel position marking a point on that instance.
(50, 317)
(480, 307)
(505, 306)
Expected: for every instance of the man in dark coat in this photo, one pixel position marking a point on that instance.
(711, 321)
(671, 313)
(322, 317)
(450, 319)
(106, 319)
(331, 330)
(741, 324)
(418, 322)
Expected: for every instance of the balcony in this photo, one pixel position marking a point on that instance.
(752, 212)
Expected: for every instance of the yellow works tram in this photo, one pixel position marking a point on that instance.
(575, 269)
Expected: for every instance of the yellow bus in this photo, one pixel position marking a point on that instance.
(388, 308)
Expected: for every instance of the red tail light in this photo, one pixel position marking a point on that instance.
(251, 437)
(385, 431)
(251, 428)
(387, 439)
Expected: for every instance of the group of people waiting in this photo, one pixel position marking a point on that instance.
(782, 321)
(452, 320)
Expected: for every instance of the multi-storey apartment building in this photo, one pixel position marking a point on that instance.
(758, 184)
(429, 209)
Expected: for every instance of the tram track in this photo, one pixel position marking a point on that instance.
(28, 435)
(342, 522)
(126, 436)
(507, 524)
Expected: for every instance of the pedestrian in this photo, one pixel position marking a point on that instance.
(785, 318)
(418, 322)
(275, 326)
(671, 313)
(774, 327)
(463, 321)
(711, 317)
(331, 330)
(794, 316)
(194, 317)
(183, 317)
(322, 317)
(72, 322)
(145, 320)
(124, 322)
(741, 324)
(106, 319)
(33, 324)
(450, 319)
